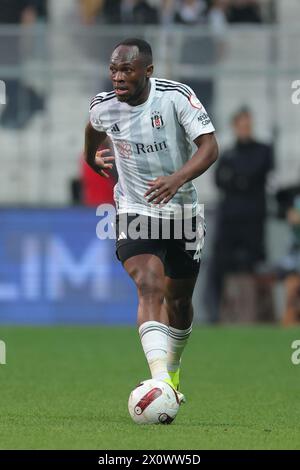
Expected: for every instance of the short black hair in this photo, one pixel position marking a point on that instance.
(143, 47)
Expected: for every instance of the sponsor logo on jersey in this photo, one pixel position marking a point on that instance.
(126, 149)
(157, 120)
(204, 119)
(151, 148)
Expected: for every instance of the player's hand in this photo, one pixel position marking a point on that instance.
(102, 159)
(162, 189)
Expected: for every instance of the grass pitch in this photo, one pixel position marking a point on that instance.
(67, 388)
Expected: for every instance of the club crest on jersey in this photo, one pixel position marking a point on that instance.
(157, 120)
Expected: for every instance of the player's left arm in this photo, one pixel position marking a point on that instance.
(192, 116)
(162, 189)
(206, 154)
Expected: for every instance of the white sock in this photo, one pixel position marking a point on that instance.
(154, 339)
(177, 341)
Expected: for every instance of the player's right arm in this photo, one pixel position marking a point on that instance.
(95, 135)
(98, 160)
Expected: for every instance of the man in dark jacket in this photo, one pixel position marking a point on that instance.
(241, 178)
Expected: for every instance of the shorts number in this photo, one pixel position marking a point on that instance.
(197, 255)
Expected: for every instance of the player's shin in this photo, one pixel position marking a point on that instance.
(177, 341)
(154, 339)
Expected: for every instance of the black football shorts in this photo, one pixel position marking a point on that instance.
(177, 242)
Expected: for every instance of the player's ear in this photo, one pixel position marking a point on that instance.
(149, 71)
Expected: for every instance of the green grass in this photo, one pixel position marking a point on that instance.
(67, 388)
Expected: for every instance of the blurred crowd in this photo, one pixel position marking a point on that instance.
(25, 100)
(174, 11)
(145, 11)
(23, 11)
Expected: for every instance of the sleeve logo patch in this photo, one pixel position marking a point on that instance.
(195, 102)
(204, 119)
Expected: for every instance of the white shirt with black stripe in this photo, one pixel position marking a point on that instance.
(151, 140)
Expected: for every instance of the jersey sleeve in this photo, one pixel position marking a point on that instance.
(95, 113)
(192, 115)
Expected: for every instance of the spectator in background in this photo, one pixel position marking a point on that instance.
(167, 12)
(22, 11)
(190, 11)
(112, 11)
(292, 283)
(36, 10)
(143, 13)
(288, 267)
(244, 11)
(217, 19)
(239, 245)
(90, 10)
(118, 11)
(217, 16)
(22, 101)
(106, 11)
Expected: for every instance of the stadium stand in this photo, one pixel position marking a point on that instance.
(256, 67)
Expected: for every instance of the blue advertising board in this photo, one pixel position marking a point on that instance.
(55, 270)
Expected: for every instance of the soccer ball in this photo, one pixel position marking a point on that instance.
(153, 402)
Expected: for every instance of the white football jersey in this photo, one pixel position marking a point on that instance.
(151, 140)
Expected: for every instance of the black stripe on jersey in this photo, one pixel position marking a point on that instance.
(102, 100)
(107, 98)
(177, 85)
(162, 87)
(161, 81)
(96, 100)
(174, 89)
(94, 103)
(100, 97)
(97, 97)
